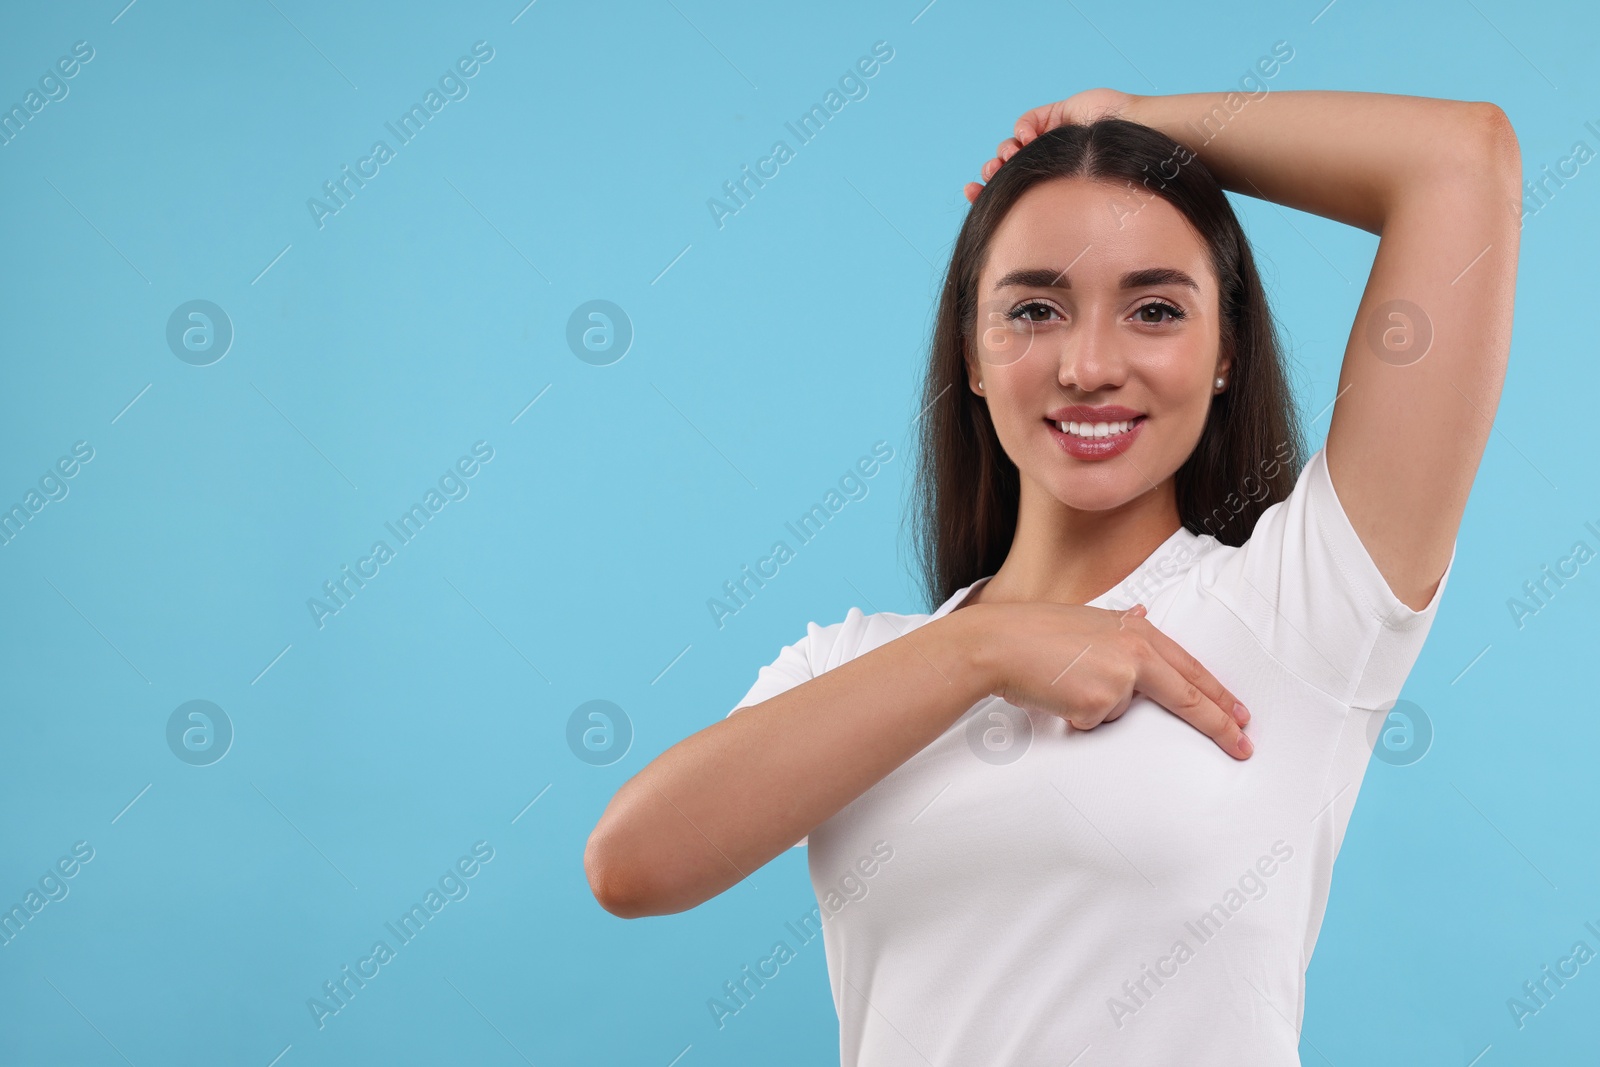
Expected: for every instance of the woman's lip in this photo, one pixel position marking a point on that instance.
(1096, 447)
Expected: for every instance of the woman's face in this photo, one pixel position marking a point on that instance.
(1102, 298)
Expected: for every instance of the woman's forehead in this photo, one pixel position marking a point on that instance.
(1094, 232)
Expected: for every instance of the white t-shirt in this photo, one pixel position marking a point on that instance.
(1018, 893)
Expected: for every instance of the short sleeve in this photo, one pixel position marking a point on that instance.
(796, 663)
(792, 667)
(1310, 592)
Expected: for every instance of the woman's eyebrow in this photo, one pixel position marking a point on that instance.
(1046, 278)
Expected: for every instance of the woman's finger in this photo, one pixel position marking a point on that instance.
(1031, 125)
(1196, 672)
(1162, 682)
(1040, 120)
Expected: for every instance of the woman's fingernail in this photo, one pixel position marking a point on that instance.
(1241, 713)
(1245, 747)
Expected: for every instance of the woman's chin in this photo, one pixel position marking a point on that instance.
(1100, 486)
(1097, 493)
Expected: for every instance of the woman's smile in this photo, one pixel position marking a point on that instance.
(1093, 433)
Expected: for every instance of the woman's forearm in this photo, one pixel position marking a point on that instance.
(1346, 156)
(726, 800)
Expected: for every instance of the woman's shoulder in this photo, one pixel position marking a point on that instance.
(859, 632)
(824, 646)
(1307, 588)
(1306, 542)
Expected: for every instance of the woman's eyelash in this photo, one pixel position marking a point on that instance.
(1173, 313)
(1021, 309)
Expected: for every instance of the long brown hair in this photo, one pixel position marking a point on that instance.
(1248, 455)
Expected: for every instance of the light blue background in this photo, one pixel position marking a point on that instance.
(429, 312)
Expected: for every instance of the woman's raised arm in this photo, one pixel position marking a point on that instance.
(1440, 182)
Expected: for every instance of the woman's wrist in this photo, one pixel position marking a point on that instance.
(966, 649)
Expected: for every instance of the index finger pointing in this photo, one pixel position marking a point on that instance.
(1163, 683)
(1193, 670)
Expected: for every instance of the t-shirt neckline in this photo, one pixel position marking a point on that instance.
(1182, 539)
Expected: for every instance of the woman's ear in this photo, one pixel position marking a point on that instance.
(1223, 373)
(975, 377)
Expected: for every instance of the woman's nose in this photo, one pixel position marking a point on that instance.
(1090, 358)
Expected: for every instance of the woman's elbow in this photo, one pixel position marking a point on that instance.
(613, 881)
(1498, 148)
(632, 874)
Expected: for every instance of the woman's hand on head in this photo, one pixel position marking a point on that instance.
(1084, 107)
(1085, 664)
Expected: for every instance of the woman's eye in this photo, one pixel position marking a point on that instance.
(1028, 310)
(1173, 314)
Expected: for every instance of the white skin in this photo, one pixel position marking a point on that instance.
(1084, 525)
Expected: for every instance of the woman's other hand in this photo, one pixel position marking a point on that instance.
(1084, 107)
(1085, 664)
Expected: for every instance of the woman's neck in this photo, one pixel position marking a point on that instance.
(1067, 555)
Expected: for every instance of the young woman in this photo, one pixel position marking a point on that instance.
(1039, 829)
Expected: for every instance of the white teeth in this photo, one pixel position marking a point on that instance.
(1094, 429)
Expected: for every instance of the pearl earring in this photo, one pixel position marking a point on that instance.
(980, 385)
(1220, 383)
